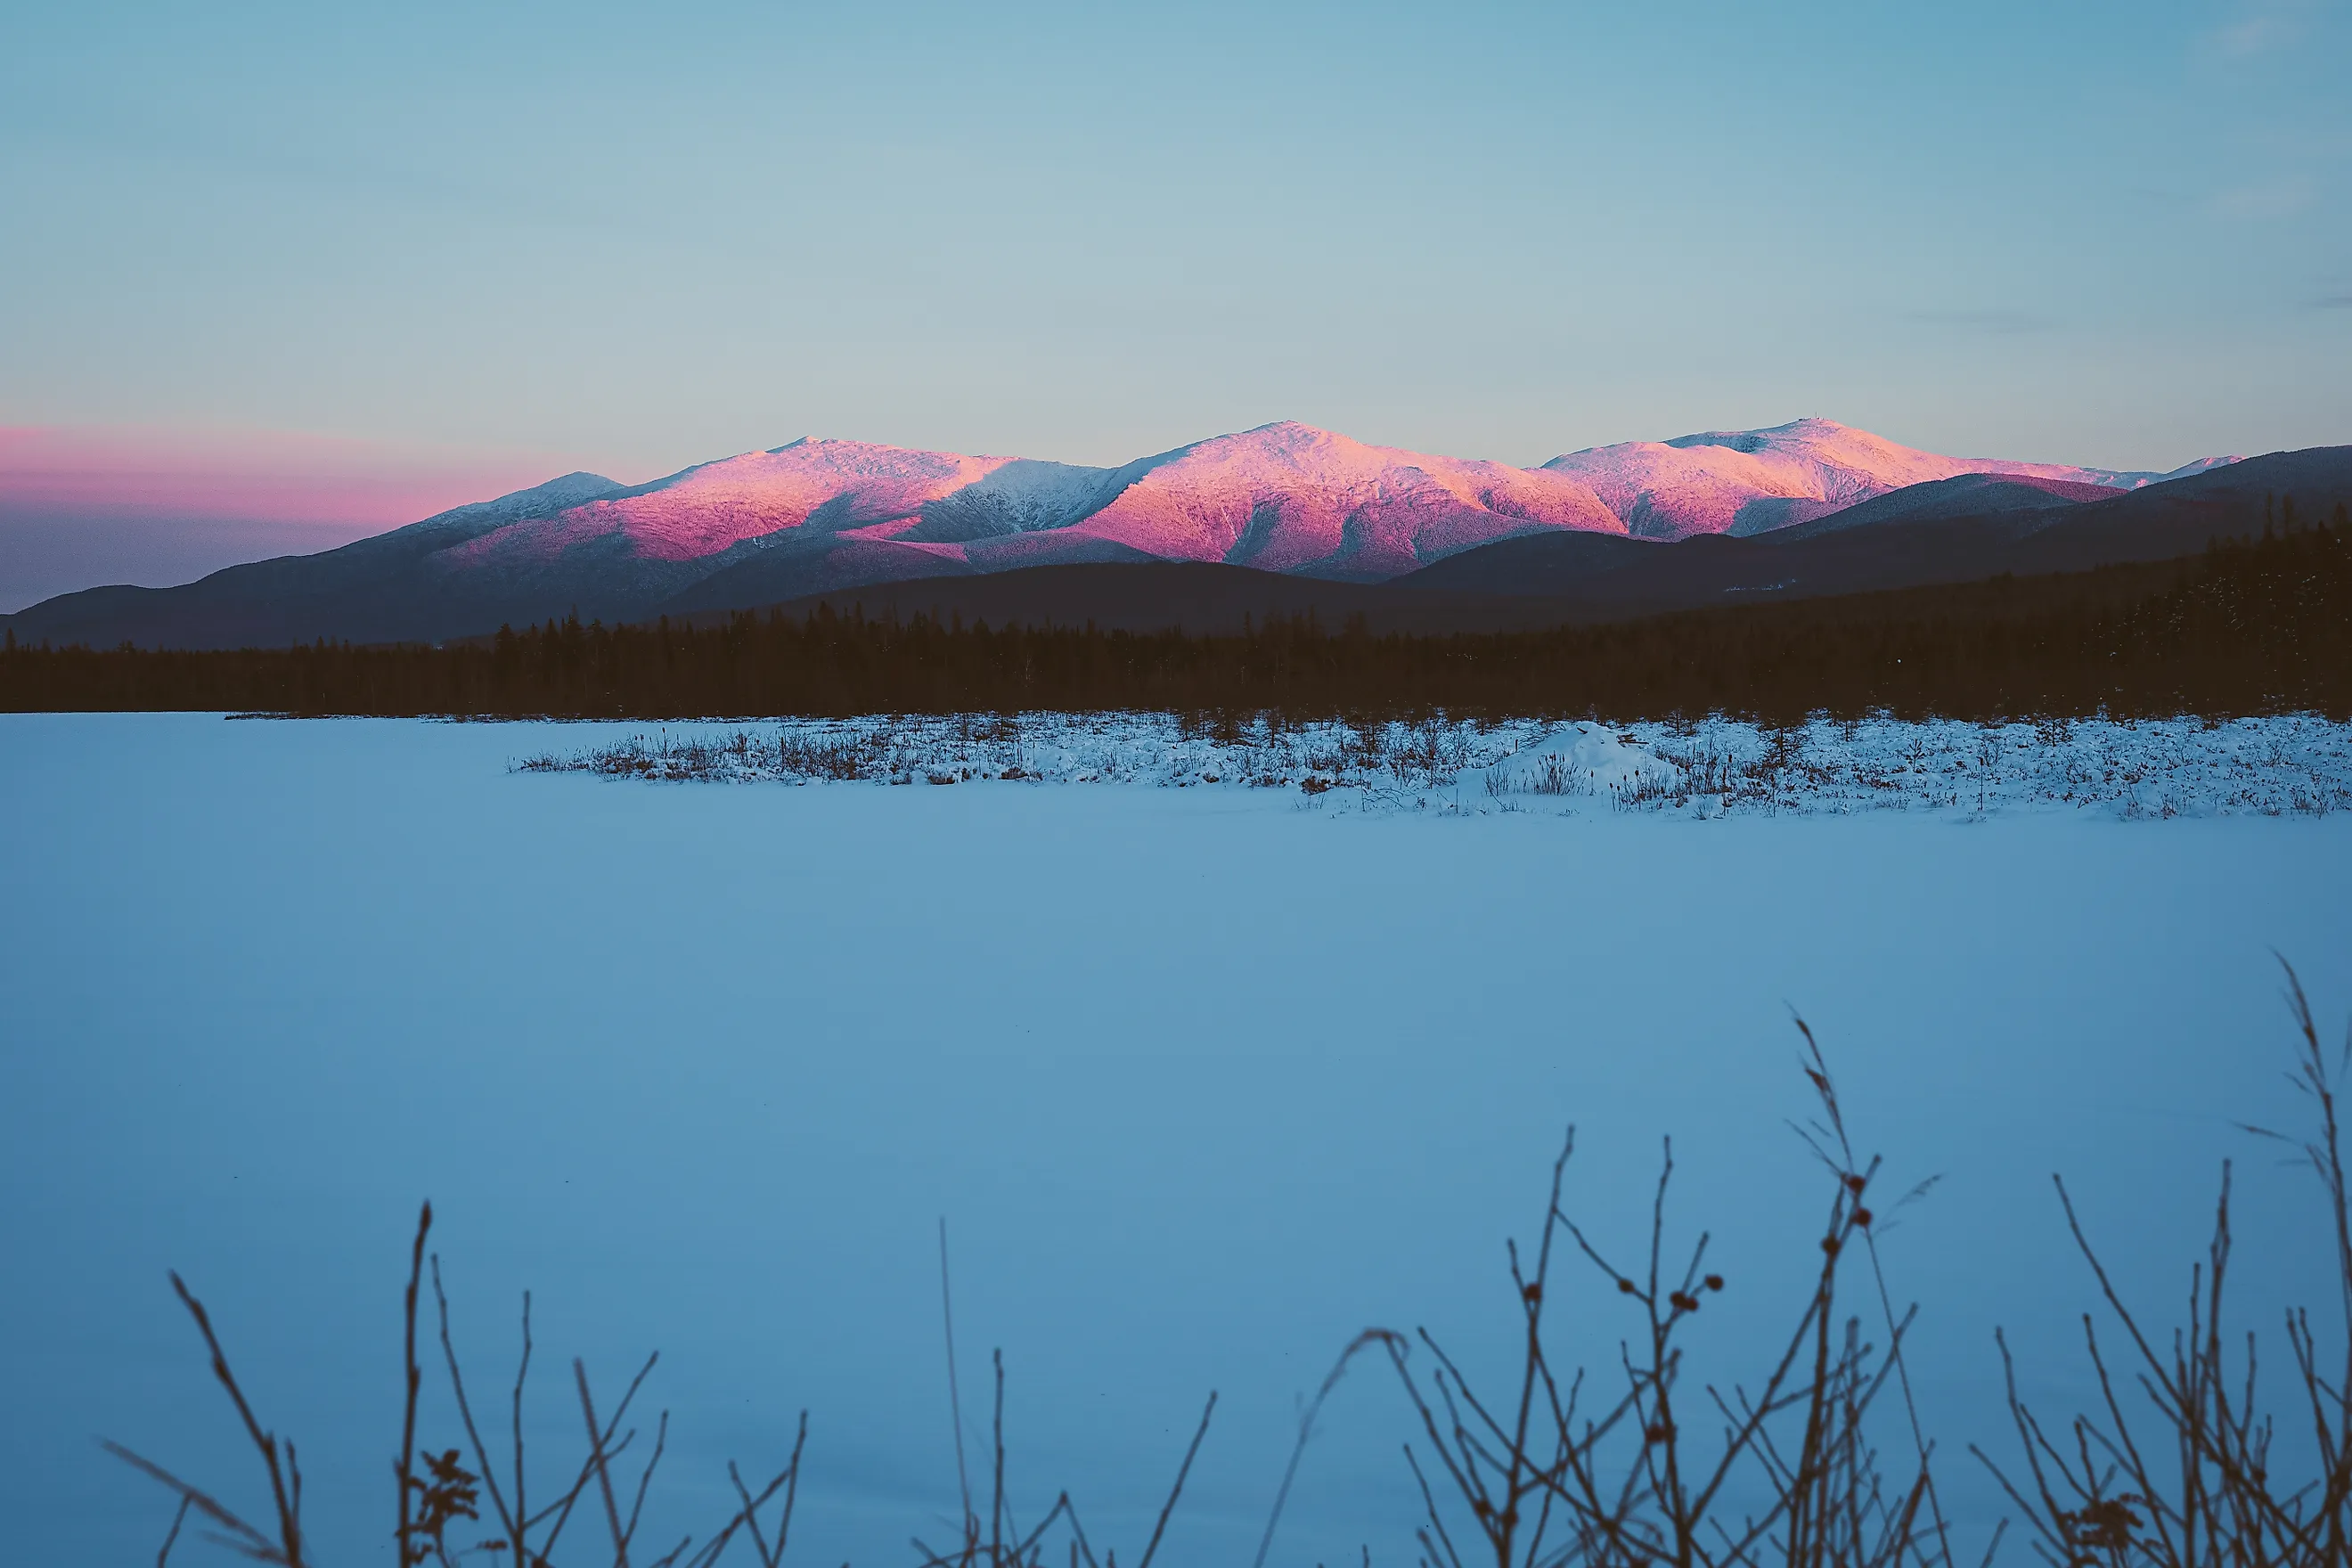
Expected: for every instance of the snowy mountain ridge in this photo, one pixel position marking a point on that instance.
(1752, 481)
(821, 515)
(1284, 496)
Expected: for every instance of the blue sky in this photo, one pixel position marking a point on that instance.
(637, 237)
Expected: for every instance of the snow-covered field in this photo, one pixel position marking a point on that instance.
(2270, 767)
(1204, 1078)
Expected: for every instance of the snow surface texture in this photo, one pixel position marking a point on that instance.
(2292, 766)
(1282, 497)
(1205, 1083)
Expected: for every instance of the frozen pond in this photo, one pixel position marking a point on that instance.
(1204, 1081)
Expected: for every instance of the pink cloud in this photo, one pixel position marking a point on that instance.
(256, 476)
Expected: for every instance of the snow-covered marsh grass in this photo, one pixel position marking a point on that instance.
(1383, 756)
(2284, 765)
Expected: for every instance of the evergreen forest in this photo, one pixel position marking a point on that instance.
(2253, 625)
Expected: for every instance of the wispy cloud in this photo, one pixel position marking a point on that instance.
(2261, 27)
(2333, 302)
(2280, 195)
(2252, 36)
(1991, 324)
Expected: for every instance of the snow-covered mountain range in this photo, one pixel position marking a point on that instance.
(819, 514)
(1753, 482)
(1281, 498)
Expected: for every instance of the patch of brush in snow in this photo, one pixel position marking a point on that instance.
(1389, 764)
(2286, 765)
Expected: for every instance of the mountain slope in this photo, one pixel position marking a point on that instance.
(821, 516)
(1953, 531)
(381, 589)
(1964, 495)
(1753, 482)
(1282, 497)
(1964, 529)
(1290, 498)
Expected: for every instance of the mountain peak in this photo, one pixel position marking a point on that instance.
(1286, 434)
(1795, 432)
(1753, 482)
(822, 513)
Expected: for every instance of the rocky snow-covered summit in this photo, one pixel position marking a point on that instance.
(1753, 482)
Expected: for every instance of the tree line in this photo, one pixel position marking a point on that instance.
(2253, 625)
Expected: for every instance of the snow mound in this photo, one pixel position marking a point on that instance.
(1586, 757)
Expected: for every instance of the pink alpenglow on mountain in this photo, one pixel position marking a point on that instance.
(1290, 498)
(1753, 482)
(1282, 497)
(862, 490)
(824, 516)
